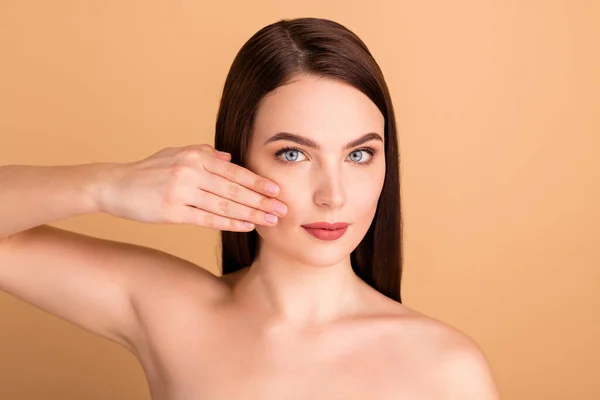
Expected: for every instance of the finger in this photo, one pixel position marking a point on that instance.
(222, 155)
(242, 176)
(195, 216)
(227, 208)
(226, 189)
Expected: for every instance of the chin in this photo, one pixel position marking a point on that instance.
(300, 245)
(321, 259)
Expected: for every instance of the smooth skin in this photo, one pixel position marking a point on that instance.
(298, 323)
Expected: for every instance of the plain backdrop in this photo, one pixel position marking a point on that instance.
(497, 106)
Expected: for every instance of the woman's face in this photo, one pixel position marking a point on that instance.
(330, 183)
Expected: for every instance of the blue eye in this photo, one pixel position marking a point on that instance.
(288, 151)
(294, 158)
(357, 152)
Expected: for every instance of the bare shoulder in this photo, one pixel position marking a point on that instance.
(120, 289)
(171, 291)
(168, 276)
(455, 363)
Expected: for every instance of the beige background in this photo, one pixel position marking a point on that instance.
(497, 106)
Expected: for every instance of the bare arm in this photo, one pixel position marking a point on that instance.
(32, 195)
(79, 278)
(99, 284)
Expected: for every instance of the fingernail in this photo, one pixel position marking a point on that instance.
(248, 225)
(279, 208)
(272, 188)
(270, 218)
(223, 153)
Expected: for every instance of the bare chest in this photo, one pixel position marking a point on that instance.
(238, 374)
(230, 361)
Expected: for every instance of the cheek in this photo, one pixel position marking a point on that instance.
(366, 202)
(294, 186)
(366, 197)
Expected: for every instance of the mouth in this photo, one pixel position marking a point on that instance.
(326, 231)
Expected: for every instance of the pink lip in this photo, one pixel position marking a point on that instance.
(326, 225)
(326, 231)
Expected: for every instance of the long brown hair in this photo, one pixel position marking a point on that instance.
(271, 58)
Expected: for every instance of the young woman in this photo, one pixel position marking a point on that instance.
(308, 305)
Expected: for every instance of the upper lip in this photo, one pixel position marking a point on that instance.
(326, 225)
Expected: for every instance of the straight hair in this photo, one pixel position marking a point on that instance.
(274, 56)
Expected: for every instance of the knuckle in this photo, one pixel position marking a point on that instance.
(224, 206)
(231, 172)
(266, 203)
(253, 215)
(208, 220)
(258, 184)
(191, 154)
(179, 170)
(233, 190)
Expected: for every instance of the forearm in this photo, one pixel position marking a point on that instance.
(36, 195)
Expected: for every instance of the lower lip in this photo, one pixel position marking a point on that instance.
(326, 234)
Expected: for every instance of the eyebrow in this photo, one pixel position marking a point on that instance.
(304, 141)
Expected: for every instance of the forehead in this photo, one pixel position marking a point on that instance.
(327, 110)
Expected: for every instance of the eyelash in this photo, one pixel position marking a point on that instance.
(369, 150)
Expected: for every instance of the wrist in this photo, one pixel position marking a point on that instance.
(100, 182)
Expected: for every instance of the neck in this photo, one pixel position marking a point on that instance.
(291, 293)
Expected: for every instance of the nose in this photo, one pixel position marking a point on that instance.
(330, 188)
